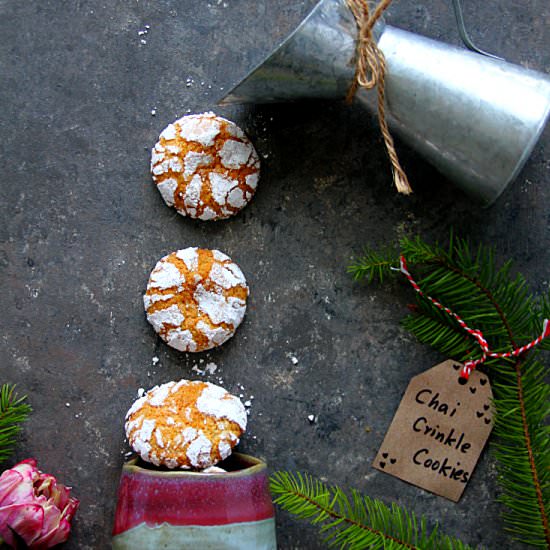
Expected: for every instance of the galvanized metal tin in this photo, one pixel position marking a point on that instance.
(475, 118)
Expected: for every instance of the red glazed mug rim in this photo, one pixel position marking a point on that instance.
(252, 464)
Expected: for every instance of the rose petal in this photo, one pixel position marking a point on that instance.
(25, 519)
(27, 468)
(70, 509)
(11, 485)
(60, 533)
(37, 508)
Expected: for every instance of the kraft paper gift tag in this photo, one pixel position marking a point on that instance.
(439, 430)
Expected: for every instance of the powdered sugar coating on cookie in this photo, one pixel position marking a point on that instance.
(195, 299)
(188, 424)
(205, 167)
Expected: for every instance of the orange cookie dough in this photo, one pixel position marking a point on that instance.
(185, 424)
(195, 299)
(205, 167)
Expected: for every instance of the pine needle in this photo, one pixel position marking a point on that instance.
(500, 305)
(13, 412)
(355, 522)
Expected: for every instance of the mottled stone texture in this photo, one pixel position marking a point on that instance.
(82, 225)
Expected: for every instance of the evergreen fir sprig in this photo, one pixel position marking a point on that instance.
(499, 304)
(357, 521)
(13, 411)
(374, 264)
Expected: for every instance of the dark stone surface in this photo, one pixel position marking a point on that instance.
(82, 226)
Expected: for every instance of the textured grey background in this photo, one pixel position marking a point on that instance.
(82, 226)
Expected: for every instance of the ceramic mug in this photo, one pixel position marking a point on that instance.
(178, 509)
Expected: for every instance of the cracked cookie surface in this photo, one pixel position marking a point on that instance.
(185, 424)
(205, 167)
(195, 299)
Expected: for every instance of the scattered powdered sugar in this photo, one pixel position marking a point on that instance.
(158, 437)
(209, 368)
(215, 401)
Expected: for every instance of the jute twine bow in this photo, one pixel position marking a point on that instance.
(370, 72)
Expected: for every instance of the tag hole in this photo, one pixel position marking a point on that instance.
(462, 381)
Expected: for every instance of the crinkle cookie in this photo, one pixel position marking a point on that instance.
(185, 424)
(195, 299)
(205, 167)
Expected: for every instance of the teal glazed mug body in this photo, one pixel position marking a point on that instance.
(159, 508)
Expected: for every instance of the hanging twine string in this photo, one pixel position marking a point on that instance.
(477, 334)
(370, 72)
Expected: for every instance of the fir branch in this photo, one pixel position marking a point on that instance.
(358, 522)
(13, 411)
(374, 265)
(500, 305)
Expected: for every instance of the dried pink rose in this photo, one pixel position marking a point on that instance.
(34, 507)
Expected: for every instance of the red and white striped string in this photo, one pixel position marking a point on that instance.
(477, 334)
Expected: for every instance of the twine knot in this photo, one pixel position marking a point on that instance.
(370, 72)
(469, 366)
